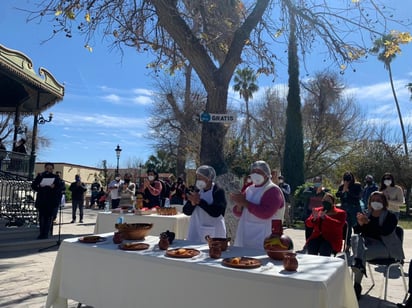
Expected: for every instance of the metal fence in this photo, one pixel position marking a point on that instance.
(17, 200)
(16, 163)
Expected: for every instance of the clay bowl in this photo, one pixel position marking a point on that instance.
(277, 254)
(221, 240)
(134, 231)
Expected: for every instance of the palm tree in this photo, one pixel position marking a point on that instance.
(386, 48)
(245, 84)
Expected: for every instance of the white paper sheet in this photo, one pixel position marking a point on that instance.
(46, 182)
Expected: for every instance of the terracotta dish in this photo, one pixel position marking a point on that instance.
(91, 239)
(182, 253)
(242, 262)
(134, 246)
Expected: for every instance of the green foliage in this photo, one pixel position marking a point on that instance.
(68, 193)
(163, 162)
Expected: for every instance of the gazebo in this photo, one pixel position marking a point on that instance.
(23, 92)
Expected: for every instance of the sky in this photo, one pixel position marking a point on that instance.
(108, 96)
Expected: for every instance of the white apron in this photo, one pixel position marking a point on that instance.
(202, 224)
(252, 231)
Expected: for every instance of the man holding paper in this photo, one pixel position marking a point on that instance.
(47, 199)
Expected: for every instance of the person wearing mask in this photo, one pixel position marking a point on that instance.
(350, 193)
(285, 187)
(393, 193)
(375, 237)
(95, 187)
(78, 188)
(370, 187)
(177, 192)
(327, 223)
(152, 189)
(313, 196)
(206, 205)
(261, 203)
(114, 191)
(127, 191)
(47, 198)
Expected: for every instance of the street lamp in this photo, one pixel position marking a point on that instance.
(42, 120)
(140, 174)
(117, 150)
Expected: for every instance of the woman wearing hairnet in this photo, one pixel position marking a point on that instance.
(206, 207)
(261, 203)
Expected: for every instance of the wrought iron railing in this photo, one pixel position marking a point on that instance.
(17, 200)
(16, 163)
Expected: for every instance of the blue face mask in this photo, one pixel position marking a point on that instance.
(316, 185)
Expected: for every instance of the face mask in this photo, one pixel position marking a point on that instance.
(201, 184)
(257, 178)
(387, 182)
(316, 185)
(280, 181)
(376, 205)
(249, 180)
(151, 177)
(327, 206)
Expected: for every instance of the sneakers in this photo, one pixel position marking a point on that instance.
(358, 289)
(73, 221)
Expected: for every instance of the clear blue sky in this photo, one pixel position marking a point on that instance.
(107, 97)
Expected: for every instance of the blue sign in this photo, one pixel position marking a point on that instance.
(205, 117)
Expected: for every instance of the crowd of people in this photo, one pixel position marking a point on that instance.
(365, 218)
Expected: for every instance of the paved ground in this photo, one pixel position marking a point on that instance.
(25, 275)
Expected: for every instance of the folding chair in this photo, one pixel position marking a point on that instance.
(389, 263)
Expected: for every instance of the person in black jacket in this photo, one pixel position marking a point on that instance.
(78, 188)
(206, 205)
(350, 194)
(47, 198)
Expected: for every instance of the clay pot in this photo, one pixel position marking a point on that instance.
(277, 243)
(118, 237)
(164, 242)
(223, 241)
(215, 250)
(290, 263)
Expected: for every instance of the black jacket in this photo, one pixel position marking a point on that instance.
(217, 208)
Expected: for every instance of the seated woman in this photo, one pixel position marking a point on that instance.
(375, 237)
(327, 223)
(206, 207)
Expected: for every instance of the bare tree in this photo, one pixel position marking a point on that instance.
(332, 125)
(175, 118)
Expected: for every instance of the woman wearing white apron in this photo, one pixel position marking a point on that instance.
(206, 207)
(261, 203)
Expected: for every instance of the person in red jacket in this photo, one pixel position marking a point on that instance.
(327, 223)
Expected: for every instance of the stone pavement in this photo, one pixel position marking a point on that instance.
(25, 275)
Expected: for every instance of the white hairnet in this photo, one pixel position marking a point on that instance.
(207, 171)
(261, 165)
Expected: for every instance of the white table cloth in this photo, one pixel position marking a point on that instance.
(103, 276)
(179, 224)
